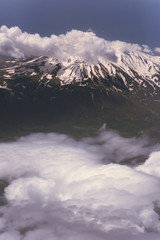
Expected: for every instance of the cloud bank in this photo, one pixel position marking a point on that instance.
(60, 188)
(76, 44)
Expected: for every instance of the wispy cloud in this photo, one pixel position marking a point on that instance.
(157, 50)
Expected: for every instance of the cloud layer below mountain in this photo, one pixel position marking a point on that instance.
(60, 188)
(76, 44)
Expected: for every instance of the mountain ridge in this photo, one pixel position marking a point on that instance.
(124, 94)
(134, 75)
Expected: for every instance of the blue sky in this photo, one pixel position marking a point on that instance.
(135, 21)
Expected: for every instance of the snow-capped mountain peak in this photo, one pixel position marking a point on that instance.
(132, 71)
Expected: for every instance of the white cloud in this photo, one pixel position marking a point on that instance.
(157, 50)
(11, 235)
(60, 188)
(147, 49)
(152, 165)
(78, 44)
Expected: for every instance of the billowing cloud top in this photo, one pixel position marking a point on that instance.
(61, 188)
(76, 44)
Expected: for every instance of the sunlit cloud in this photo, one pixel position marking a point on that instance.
(76, 44)
(60, 188)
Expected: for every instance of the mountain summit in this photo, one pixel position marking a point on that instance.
(76, 59)
(116, 91)
(133, 73)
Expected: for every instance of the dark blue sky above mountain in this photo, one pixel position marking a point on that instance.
(135, 21)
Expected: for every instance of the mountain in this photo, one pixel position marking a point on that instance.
(133, 72)
(130, 85)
